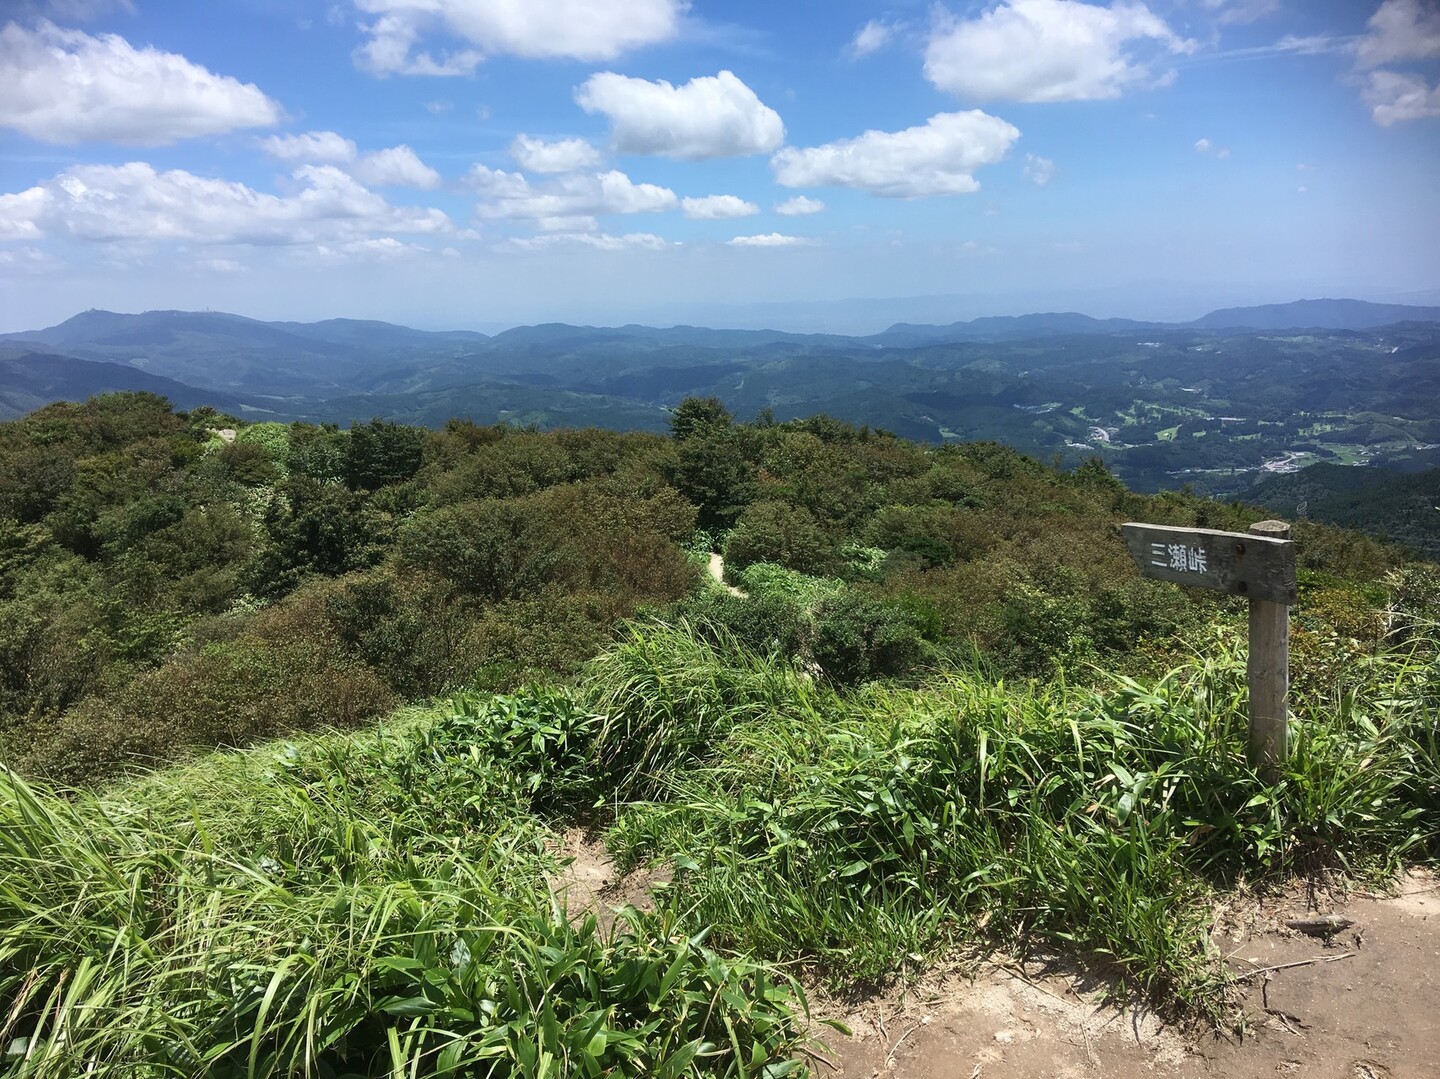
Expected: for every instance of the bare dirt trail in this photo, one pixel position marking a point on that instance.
(717, 571)
(1374, 1014)
(591, 884)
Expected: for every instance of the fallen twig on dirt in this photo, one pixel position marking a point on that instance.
(1289, 1022)
(1297, 963)
(1019, 973)
(890, 1056)
(815, 1054)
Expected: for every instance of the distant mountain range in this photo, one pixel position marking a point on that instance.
(1163, 403)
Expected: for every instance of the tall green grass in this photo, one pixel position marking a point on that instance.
(343, 908)
(380, 904)
(859, 834)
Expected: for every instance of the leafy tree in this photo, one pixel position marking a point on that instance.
(714, 469)
(698, 416)
(857, 638)
(314, 528)
(491, 549)
(318, 452)
(786, 535)
(380, 453)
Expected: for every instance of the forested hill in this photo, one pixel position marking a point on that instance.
(1398, 506)
(175, 579)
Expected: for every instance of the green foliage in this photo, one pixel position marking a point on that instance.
(698, 416)
(543, 739)
(316, 528)
(380, 453)
(335, 908)
(283, 673)
(53, 645)
(493, 549)
(857, 638)
(408, 629)
(317, 452)
(714, 469)
(786, 535)
(831, 629)
(862, 834)
(669, 696)
(826, 762)
(381, 902)
(128, 544)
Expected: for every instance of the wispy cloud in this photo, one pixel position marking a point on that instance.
(770, 239)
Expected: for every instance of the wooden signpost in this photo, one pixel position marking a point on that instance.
(1259, 565)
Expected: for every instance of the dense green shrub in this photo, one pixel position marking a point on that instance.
(285, 672)
(785, 535)
(131, 537)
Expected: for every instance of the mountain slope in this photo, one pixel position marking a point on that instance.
(1404, 507)
(29, 380)
(1322, 314)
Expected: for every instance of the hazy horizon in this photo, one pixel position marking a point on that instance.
(852, 316)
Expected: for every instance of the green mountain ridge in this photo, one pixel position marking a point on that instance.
(1162, 404)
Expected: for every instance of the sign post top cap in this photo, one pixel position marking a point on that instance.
(1273, 529)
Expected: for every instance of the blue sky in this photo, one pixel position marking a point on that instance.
(480, 163)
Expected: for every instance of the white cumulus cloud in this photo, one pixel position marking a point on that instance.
(497, 183)
(717, 207)
(383, 248)
(799, 206)
(937, 158)
(568, 29)
(103, 203)
(1401, 30)
(563, 155)
(20, 214)
(577, 195)
(66, 86)
(1048, 50)
(313, 147)
(770, 239)
(1395, 96)
(399, 166)
(711, 116)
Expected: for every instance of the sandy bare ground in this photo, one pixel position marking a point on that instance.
(717, 570)
(589, 883)
(1368, 1009)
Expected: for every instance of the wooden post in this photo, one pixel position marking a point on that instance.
(1259, 566)
(1268, 671)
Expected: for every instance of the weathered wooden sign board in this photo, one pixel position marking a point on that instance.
(1256, 567)
(1259, 565)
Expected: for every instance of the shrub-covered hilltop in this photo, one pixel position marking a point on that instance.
(936, 710)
